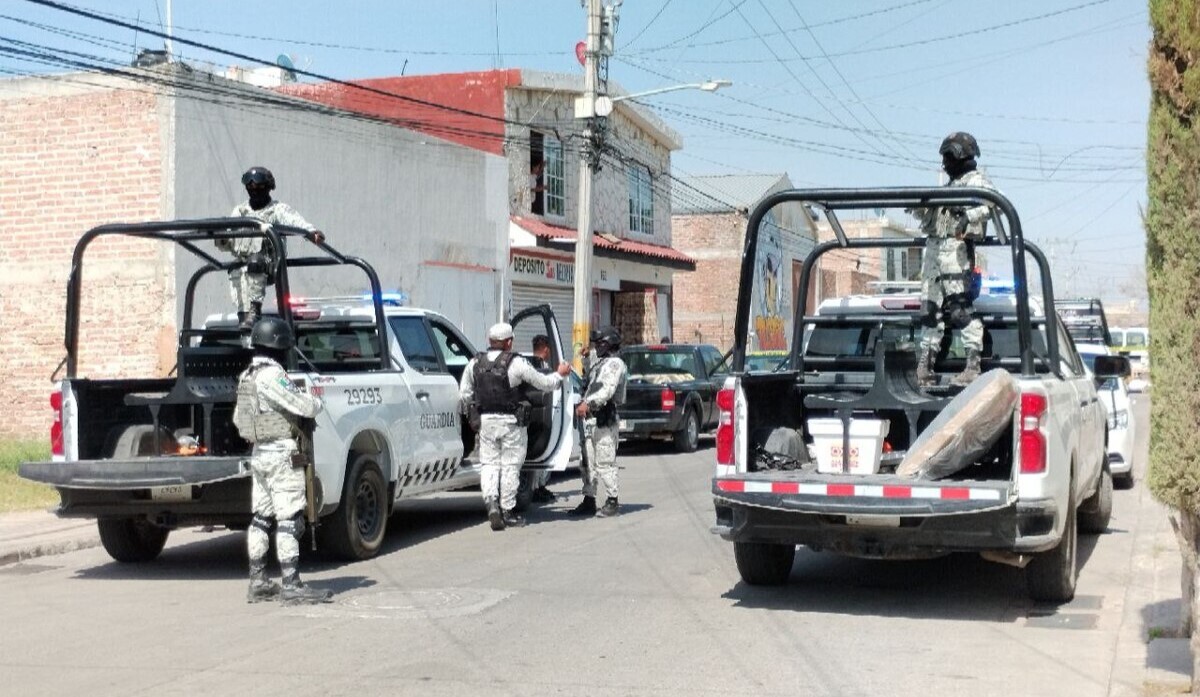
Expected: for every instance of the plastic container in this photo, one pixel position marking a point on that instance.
(866, 445)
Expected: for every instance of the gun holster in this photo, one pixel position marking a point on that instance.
(523, 413)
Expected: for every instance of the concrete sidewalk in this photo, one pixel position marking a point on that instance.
(29, 534)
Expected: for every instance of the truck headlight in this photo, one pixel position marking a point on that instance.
(1118, 419)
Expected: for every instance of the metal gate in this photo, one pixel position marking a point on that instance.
(561, 300)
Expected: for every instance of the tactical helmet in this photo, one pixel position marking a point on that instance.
(259, 176)
(272, 333)
(607, 340)
(960, 145)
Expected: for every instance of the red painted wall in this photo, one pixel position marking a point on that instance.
(479, 93)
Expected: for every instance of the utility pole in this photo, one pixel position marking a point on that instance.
(589, 162)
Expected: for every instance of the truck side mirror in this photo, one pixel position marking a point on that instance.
(1111, 367)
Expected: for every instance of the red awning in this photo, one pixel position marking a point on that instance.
(547, 231)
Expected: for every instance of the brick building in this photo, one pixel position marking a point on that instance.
(84, 149)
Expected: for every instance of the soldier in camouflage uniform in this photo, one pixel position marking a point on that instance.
(268, 408)
(490, 387)
(248, 283)
(947, 263)
(604, 390)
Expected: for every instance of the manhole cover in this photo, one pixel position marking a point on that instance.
(400, 604)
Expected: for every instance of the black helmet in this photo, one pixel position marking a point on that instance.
(259, 176)
(272, 333)
(607, 340)
(960, 145)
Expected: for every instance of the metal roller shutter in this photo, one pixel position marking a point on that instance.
(561, 300)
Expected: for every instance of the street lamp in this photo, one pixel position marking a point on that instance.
(604, 103)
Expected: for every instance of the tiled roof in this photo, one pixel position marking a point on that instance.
(548, 231)
(722, 193)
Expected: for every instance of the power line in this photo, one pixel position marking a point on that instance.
(649, 24)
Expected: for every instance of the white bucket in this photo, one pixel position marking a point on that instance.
(866, 445)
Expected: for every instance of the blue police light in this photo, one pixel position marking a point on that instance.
(999, 286)
(396, 298)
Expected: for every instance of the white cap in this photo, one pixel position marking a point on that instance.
(500, 332)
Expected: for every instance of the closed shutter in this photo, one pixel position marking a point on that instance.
(561, 300)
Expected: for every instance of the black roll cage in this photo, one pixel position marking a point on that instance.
(830, 200)
(186, 233)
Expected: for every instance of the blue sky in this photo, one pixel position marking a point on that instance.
(853, 93)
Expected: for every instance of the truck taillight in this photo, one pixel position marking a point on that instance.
(725, 428)
(56, 428)
(668, 399)
(1033, 441)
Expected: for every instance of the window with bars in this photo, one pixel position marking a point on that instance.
(641, 201)
(553, 178)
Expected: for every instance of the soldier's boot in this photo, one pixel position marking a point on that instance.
(542, 495)
(970, 372)
(925, 358)
(295, 592)
(251, 316)
(262, 588)
(586, 508)
(610, 507)
(495, 516)
(513, 520)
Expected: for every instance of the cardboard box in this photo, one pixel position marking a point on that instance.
(866, 445)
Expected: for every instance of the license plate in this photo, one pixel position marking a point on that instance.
(874, 521)
(623, 425)
(175, 492)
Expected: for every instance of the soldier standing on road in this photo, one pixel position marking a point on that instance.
(947, 295)
(541, 361)
(268, 409)
(248, 283)
(604, 389)
(490, 384)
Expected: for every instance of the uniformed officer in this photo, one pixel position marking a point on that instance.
(248, 283)
(604, 390)
(268, 408)
(948, 263)
(490, 384)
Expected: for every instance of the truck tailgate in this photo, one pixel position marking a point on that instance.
(135, 473)
(878, 494)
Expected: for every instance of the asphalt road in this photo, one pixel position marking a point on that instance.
(647, 603)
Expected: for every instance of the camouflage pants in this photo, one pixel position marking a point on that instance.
(502, 445)
(601, 447)
(246, 288)
(942, 269)
(277, 492)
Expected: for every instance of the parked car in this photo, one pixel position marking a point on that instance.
(1121, 428)
(671, 392)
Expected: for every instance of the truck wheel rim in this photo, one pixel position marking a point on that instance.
(366, 506)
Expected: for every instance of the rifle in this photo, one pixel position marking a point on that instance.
(304, 456)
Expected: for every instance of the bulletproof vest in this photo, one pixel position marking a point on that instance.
(253, 423)
(493, 394)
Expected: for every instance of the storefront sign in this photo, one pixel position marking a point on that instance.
(537, 269)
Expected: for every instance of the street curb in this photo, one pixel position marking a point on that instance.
(46, 549)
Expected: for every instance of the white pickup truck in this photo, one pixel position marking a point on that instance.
(854, 359)
(146, 455)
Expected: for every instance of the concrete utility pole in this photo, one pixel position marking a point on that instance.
(589, 162)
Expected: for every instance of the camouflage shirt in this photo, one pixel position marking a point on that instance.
(941, 222)
(275, 213)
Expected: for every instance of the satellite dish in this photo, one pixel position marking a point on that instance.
(284, 61)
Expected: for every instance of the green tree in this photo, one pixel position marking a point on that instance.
(1172, 222)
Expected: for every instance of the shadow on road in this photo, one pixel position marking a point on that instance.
(957, 587)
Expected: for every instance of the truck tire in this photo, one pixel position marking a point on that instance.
(1095, 513)
(355, 530)
(764, 564)
(687, 438)
(525, 491)
(1051, 575)
(132, 540)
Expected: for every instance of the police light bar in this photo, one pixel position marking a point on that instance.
(999, 286)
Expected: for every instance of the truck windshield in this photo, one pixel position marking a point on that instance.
(643, 362)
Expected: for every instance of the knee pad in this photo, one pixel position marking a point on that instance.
(958, 311)
(263, 523)
(294, 526)
(929, 315)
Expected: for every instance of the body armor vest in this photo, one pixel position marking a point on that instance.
(253, 423)
(493, 394)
